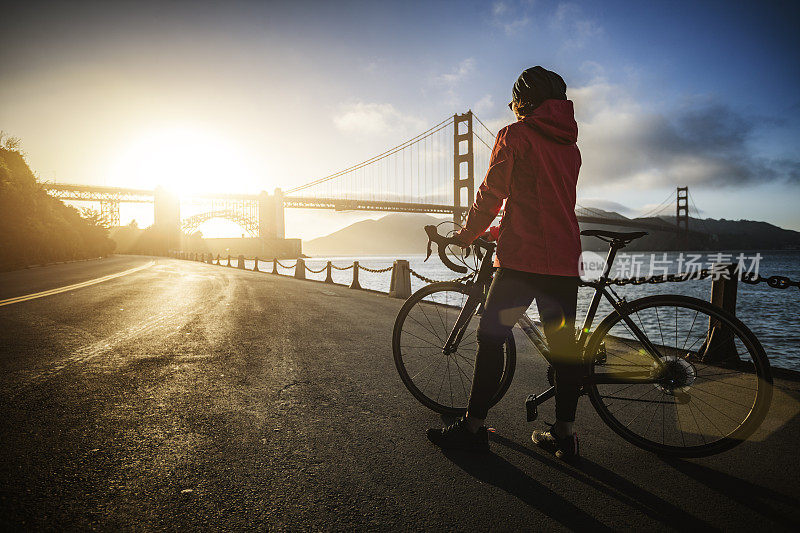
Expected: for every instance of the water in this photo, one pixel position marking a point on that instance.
(772, 314)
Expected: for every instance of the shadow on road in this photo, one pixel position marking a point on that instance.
(758, 498)
(496, 471)
(504, 475)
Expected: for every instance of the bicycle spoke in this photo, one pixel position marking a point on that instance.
(414, 377)
(660, 331)
(697, 425)
(466, 394)
(423, 340)
(426, 329)
(690, 330)
(722, 396)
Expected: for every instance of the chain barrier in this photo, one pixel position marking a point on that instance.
(663, 278)
(429, 280)
(375, 270)
(321, 270)
(776, 282)
(284, 266)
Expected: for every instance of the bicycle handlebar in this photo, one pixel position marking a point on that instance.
(442, 242)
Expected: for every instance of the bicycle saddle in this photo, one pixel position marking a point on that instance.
(613, 235)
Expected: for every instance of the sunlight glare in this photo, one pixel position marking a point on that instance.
(184, 160)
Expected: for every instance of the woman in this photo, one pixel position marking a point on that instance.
(534, 169)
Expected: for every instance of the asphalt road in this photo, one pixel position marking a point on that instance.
(192, 396)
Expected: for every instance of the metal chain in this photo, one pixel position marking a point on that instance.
(776, 282)
(375, 270)
(284, 266)
(341, 268)
(316, 271)
(663, 278)
(429, 280)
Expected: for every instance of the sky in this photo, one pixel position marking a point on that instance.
(251, 96)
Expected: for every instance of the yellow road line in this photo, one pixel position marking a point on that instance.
(80, 285)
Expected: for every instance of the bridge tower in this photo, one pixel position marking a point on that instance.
(463, 178)
(682, 217)
(271, 223)
(167, 218)
(109, 211)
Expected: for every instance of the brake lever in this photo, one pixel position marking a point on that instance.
(442, 242)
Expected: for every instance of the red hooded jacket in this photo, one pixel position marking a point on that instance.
(534, 168)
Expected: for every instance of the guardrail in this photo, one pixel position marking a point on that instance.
(399, 286)
(724, 279)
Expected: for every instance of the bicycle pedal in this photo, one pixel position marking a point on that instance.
(532, 408)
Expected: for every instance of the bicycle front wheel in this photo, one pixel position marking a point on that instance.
(712, 390)
(440, 381)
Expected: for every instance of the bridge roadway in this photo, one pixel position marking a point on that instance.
(187, 395)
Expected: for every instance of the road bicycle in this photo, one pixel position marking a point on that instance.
(671, 374)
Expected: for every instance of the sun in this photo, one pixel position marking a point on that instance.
(183, 160)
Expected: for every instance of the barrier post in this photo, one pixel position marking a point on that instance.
(300, 268)
(274, 265)
(328, 273)
(218, 259)
(355, 284)
(255, 267)
(719, 345)
(400, 286)
(241, 262)
(229, 259)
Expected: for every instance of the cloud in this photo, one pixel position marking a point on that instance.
(374, 119)
(451, 82)
(568, 19)
(485, 104)
(459, 73)
(509, 18)
(705, 144)
(605, 205)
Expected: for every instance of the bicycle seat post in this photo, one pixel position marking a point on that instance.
(612, 253)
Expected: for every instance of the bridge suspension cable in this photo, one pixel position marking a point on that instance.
(427, 133)
(669, 201)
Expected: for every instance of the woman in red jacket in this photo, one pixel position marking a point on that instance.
(534, 169)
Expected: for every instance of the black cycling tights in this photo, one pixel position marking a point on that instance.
(509, 296)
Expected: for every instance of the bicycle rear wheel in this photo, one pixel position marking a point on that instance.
(713, 392)
(441, 382)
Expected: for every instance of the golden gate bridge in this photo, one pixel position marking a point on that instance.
(436, 171)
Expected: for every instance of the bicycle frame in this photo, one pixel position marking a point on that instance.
(476, 298)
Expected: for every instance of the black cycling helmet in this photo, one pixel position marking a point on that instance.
(537, 84)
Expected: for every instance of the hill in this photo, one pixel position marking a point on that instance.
(401, 233)
(36, 228)
(398, 233)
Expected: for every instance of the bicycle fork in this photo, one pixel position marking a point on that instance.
(471, 305)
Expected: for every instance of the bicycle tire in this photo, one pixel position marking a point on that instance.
(760, 373)
(400, 358)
